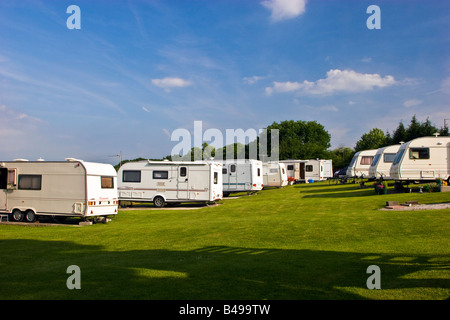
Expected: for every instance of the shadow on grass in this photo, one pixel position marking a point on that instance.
(37, 270)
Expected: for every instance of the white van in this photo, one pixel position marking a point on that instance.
(422, 159)
(29, 189)
(163, 182)
(242, 176)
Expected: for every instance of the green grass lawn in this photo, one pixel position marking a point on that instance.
(309, 241)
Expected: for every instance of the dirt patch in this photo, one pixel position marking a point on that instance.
(430, 206)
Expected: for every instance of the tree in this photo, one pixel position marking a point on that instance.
(301, 139)
(373, 140)
(399, 134)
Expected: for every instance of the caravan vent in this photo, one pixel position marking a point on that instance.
(40, 159)
(20, 160)
(72, 159)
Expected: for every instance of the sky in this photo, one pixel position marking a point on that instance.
(136, 71)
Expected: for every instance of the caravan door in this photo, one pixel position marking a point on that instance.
(183, 182)
(3, 187)
(232, 177)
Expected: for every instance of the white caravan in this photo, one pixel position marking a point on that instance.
(360, 164)
(422, 159)
(274, 174)
(29, 189)
(295, 169)
(381, 164)
(318, 170)
(163, 182)
(242, 176)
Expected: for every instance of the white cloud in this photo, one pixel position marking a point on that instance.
(145, 109)
(336, 81)
(252, 80)
(168, 83)
(283, 87)
(285, 9)
(412, 103)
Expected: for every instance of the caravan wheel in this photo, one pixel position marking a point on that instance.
(30, 216)
(158, 202)
(17, 215)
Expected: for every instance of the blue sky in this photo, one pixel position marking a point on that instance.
(138, 70)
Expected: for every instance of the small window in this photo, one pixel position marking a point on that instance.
(273, 170)
(216, 177)
(30, 182)
(12, 177)
(107, 182)
(282, 170)
(419, 153)
(224, 171)
(131, 176)
(160, 174)
(389, 157)
(366, 160)
(183, 172)
(309, 168)
(290, 167)
(233, 168)
(259, 172)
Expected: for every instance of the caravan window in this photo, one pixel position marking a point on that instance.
(183, 172)
(107, 182)
(233, 168)
(259, 172)
(160, 174)
(366, 160)
(131, 176)
(375, 160)
(419, 153)
(290, 167)
(224, 170)
(30, 182)
(389, 157)
(216, 178)
(273, 170)
(399, 156)
(309, 168)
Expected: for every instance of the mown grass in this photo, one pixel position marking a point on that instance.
(310, 241)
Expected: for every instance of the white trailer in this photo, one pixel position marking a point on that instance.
(163, 182)
(295, 169)
(422, 159)
(29, 189)
(381, 164)
(274, 174)
(360, 164)
(242, 176)
(318, 170)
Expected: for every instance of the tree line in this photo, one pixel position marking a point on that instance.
(309, 140)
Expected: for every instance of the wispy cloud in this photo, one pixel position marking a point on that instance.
(252, 80)
(412, 103)
(335, 81)
(285, 9)
(169, 83)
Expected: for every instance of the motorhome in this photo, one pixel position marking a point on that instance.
(163, 182)
(31, 189)
(242, 176)
(360, 163)
(422, 159)
(318, 170)
(274, 174)
(381, 164)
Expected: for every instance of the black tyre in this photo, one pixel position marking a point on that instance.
(159, 202)
(30, 216)
(17, 215)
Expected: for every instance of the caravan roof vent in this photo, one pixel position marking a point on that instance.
(23, 160)
(40, 159)
(72, 159)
